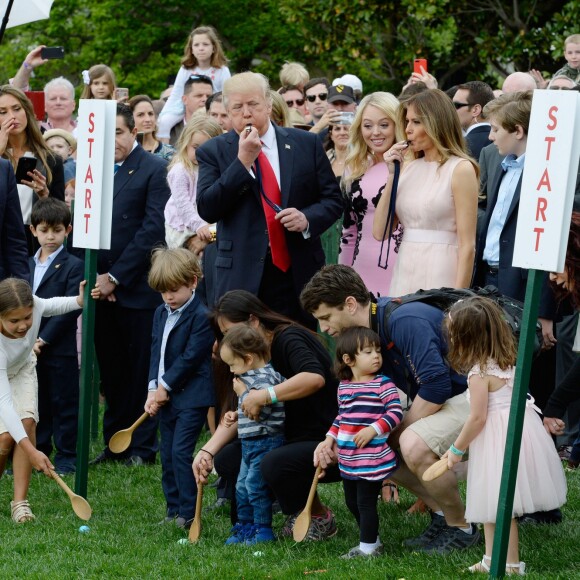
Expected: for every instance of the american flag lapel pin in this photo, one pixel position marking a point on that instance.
(287, 146)
(131, 171)
(56, 266)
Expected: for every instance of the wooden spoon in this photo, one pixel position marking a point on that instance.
(122, 439)
(80, 505)
(195, 530)
(436, 470)
(302, 523)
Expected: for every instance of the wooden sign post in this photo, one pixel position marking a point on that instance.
(92, 230)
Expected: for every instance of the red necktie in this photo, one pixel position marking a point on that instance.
(280, 255)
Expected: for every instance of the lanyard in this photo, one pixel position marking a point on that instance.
(258, 174)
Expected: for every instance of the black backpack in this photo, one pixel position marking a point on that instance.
(444, 298)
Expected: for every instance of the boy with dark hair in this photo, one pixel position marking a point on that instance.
(54, 272)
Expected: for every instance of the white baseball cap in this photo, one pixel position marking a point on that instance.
(349, 80)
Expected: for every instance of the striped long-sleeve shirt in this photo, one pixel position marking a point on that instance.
(375, 403)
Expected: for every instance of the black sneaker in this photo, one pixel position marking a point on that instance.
(433, 529)
(452, 538)
(549, 517)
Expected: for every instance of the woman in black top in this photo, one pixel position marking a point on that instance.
(309, 396)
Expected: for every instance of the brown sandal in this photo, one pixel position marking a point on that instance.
(21, 511)
(389, 492)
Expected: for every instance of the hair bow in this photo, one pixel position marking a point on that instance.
(86, 77)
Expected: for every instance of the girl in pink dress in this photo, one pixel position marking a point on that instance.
(436, 198)
(374, 130)
(481, 344)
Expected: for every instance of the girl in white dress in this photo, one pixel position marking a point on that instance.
(20, 317)
(482, 345)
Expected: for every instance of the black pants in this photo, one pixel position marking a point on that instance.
(288, 471)
(361, 498)
(123, 347)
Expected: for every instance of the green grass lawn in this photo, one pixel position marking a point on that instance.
(126, 540)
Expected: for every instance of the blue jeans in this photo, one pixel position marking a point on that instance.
(253, 496)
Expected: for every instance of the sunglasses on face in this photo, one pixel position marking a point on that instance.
(299, 103)
(321, 96)
(458, 105)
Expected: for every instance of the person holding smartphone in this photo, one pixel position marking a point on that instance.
(21, 139)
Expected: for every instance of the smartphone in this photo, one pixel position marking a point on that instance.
(345, 118)
(121, 93)
(25, 164)
(52, 52)
(419, 62)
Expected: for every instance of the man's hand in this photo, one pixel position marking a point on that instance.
(548, 333)
(364, 437)
(293, 219)
(554, 426)
(330, 116)
(249, 147)
(104, 289)
(196, 245)
(325, 455)
(541, 82)
(37, 347)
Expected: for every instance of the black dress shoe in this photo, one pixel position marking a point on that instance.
(549, 517)
(102, 457)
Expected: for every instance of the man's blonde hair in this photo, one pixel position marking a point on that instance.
(246, 82)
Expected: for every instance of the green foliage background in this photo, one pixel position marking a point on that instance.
(377, 40)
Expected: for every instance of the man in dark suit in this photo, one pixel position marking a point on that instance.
(125, 311)
(469, 101)
(13, 246)
(272, 192)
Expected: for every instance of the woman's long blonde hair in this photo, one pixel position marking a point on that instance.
(34, 140)
(359, 157)
(199, 123)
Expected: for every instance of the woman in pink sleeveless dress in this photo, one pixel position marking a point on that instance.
(436, 198)
(374, 130)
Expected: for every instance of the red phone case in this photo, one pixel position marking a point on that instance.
(419, 62)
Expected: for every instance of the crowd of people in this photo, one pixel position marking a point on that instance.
(244, 218)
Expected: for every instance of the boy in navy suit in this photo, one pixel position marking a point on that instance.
(180, 379)
(54, 272)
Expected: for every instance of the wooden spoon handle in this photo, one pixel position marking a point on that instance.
(313, 487)
(62, 484)
(139, 421)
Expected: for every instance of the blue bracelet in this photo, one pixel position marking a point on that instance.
(456, 451)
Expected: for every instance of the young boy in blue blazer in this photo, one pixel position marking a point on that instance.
(54, 272)
(180, 378)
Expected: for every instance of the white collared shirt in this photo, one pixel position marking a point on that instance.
(41, 268)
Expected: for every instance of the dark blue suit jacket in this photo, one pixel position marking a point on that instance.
(139, 197)
(187, 356)
(61, 279)
(13, 245)
(228, 194)
(477, 139)
(511, 281)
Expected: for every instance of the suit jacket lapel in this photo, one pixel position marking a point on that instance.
(515, 198)
(127, 170)
(286, 160)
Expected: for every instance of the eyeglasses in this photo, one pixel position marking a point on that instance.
(458, 105)
(321, 96)
(299, 102)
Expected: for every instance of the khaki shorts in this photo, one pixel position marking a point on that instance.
(24, 387)
(440, 430)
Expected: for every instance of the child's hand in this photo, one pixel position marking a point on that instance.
(239, 386)
(161, 395)
(151, 406)
(204, 234)
(364, 436)
(37, 347)
(81, 296)
(230, 418)
(452, 459)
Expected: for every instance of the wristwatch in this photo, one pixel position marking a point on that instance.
(113, 280)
